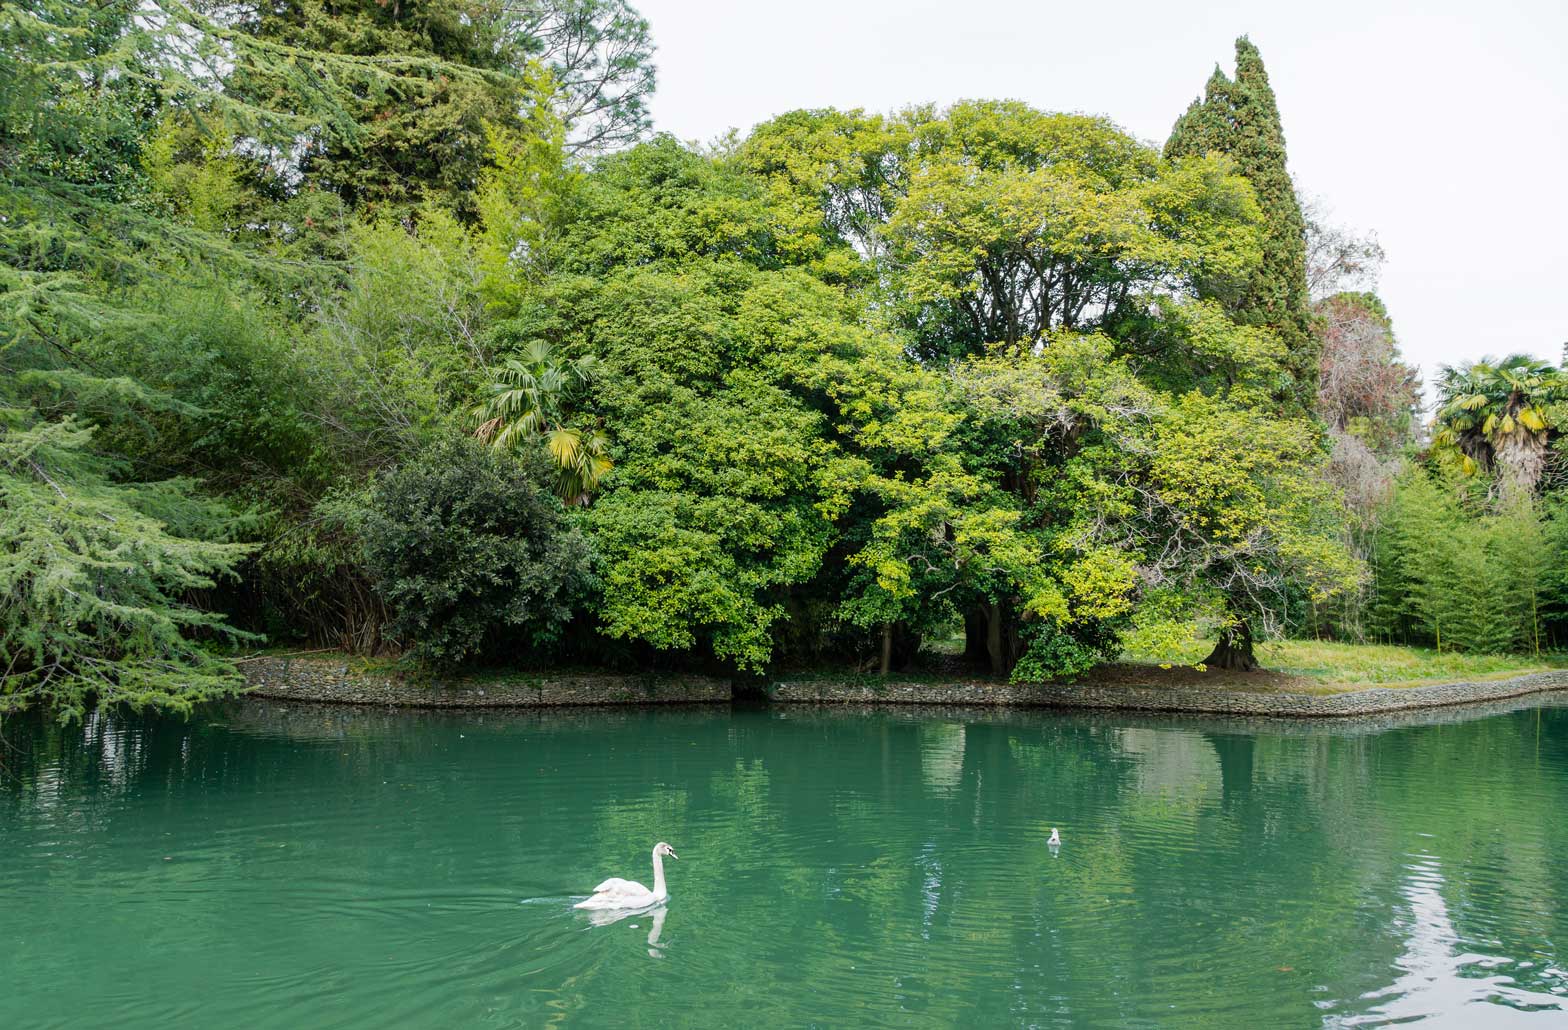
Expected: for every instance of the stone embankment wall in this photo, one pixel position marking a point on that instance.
(344, 681)
(333, 678)
(1168, 699)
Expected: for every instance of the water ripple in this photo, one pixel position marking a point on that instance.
(273, 865)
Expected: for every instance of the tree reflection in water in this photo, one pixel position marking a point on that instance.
(883, 865)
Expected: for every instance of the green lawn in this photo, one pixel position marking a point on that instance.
(1346, 665)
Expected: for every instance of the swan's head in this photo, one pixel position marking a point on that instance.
(662, 848)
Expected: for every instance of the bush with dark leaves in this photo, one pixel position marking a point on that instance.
(474, 558)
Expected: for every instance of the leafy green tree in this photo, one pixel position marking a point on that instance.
(997, 223)
(92, 231)
(749, 407)
(473, 559)
(96, 559)
(398, 350)
(1146, 507)
(417, 136)
(662, 204)
(92, 576)
(527, 202)
(227, 394)
(1018, 223)
(725, 489)
(1195, 345)
(1496, 415)
(833, 177)
(927, 538)
(1005, 234)
(709, 514)
(1038, 423)
(1240, 118)
(1233, 511)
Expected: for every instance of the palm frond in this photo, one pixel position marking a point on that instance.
(532, 395)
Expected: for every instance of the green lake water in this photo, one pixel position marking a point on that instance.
(269, 865)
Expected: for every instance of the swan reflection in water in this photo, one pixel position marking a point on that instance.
(610, 916)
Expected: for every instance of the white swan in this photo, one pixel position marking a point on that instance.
(618, 893)
(1056, 839)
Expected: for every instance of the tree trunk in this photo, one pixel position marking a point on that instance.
(1521, 458)
(1003, 644)
(975, 652)
(993, 638)
(906, 646)
(887, 648)
(1234, 650)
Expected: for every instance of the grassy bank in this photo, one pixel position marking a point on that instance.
(1324, 666)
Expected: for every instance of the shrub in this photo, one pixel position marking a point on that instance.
(472, 557)
(1051, 651)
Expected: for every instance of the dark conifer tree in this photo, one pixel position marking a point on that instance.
(421, 135)
(460, 65)
(1239, 117)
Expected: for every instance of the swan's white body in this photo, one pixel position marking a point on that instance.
(1056, 839)
(629, 894)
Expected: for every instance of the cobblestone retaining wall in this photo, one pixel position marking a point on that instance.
(1166, 699)
(336, 679)
(333, 678)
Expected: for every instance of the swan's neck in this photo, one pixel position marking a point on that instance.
(658, 875)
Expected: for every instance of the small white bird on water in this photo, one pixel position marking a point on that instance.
(618, 893)
(1056, 839)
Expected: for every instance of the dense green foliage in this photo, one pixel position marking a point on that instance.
(463, 68)
(1466, 539)
(1459, 573)
(530, 399)
(1240, 117)
(832, 389)
(474, 559)
(92, 575)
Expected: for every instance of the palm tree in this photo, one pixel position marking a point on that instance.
(530, 400)
(1496, 415)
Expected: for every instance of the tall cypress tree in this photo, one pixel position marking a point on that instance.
(1239, 117)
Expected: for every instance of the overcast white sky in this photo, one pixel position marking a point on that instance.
(1440, 125)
